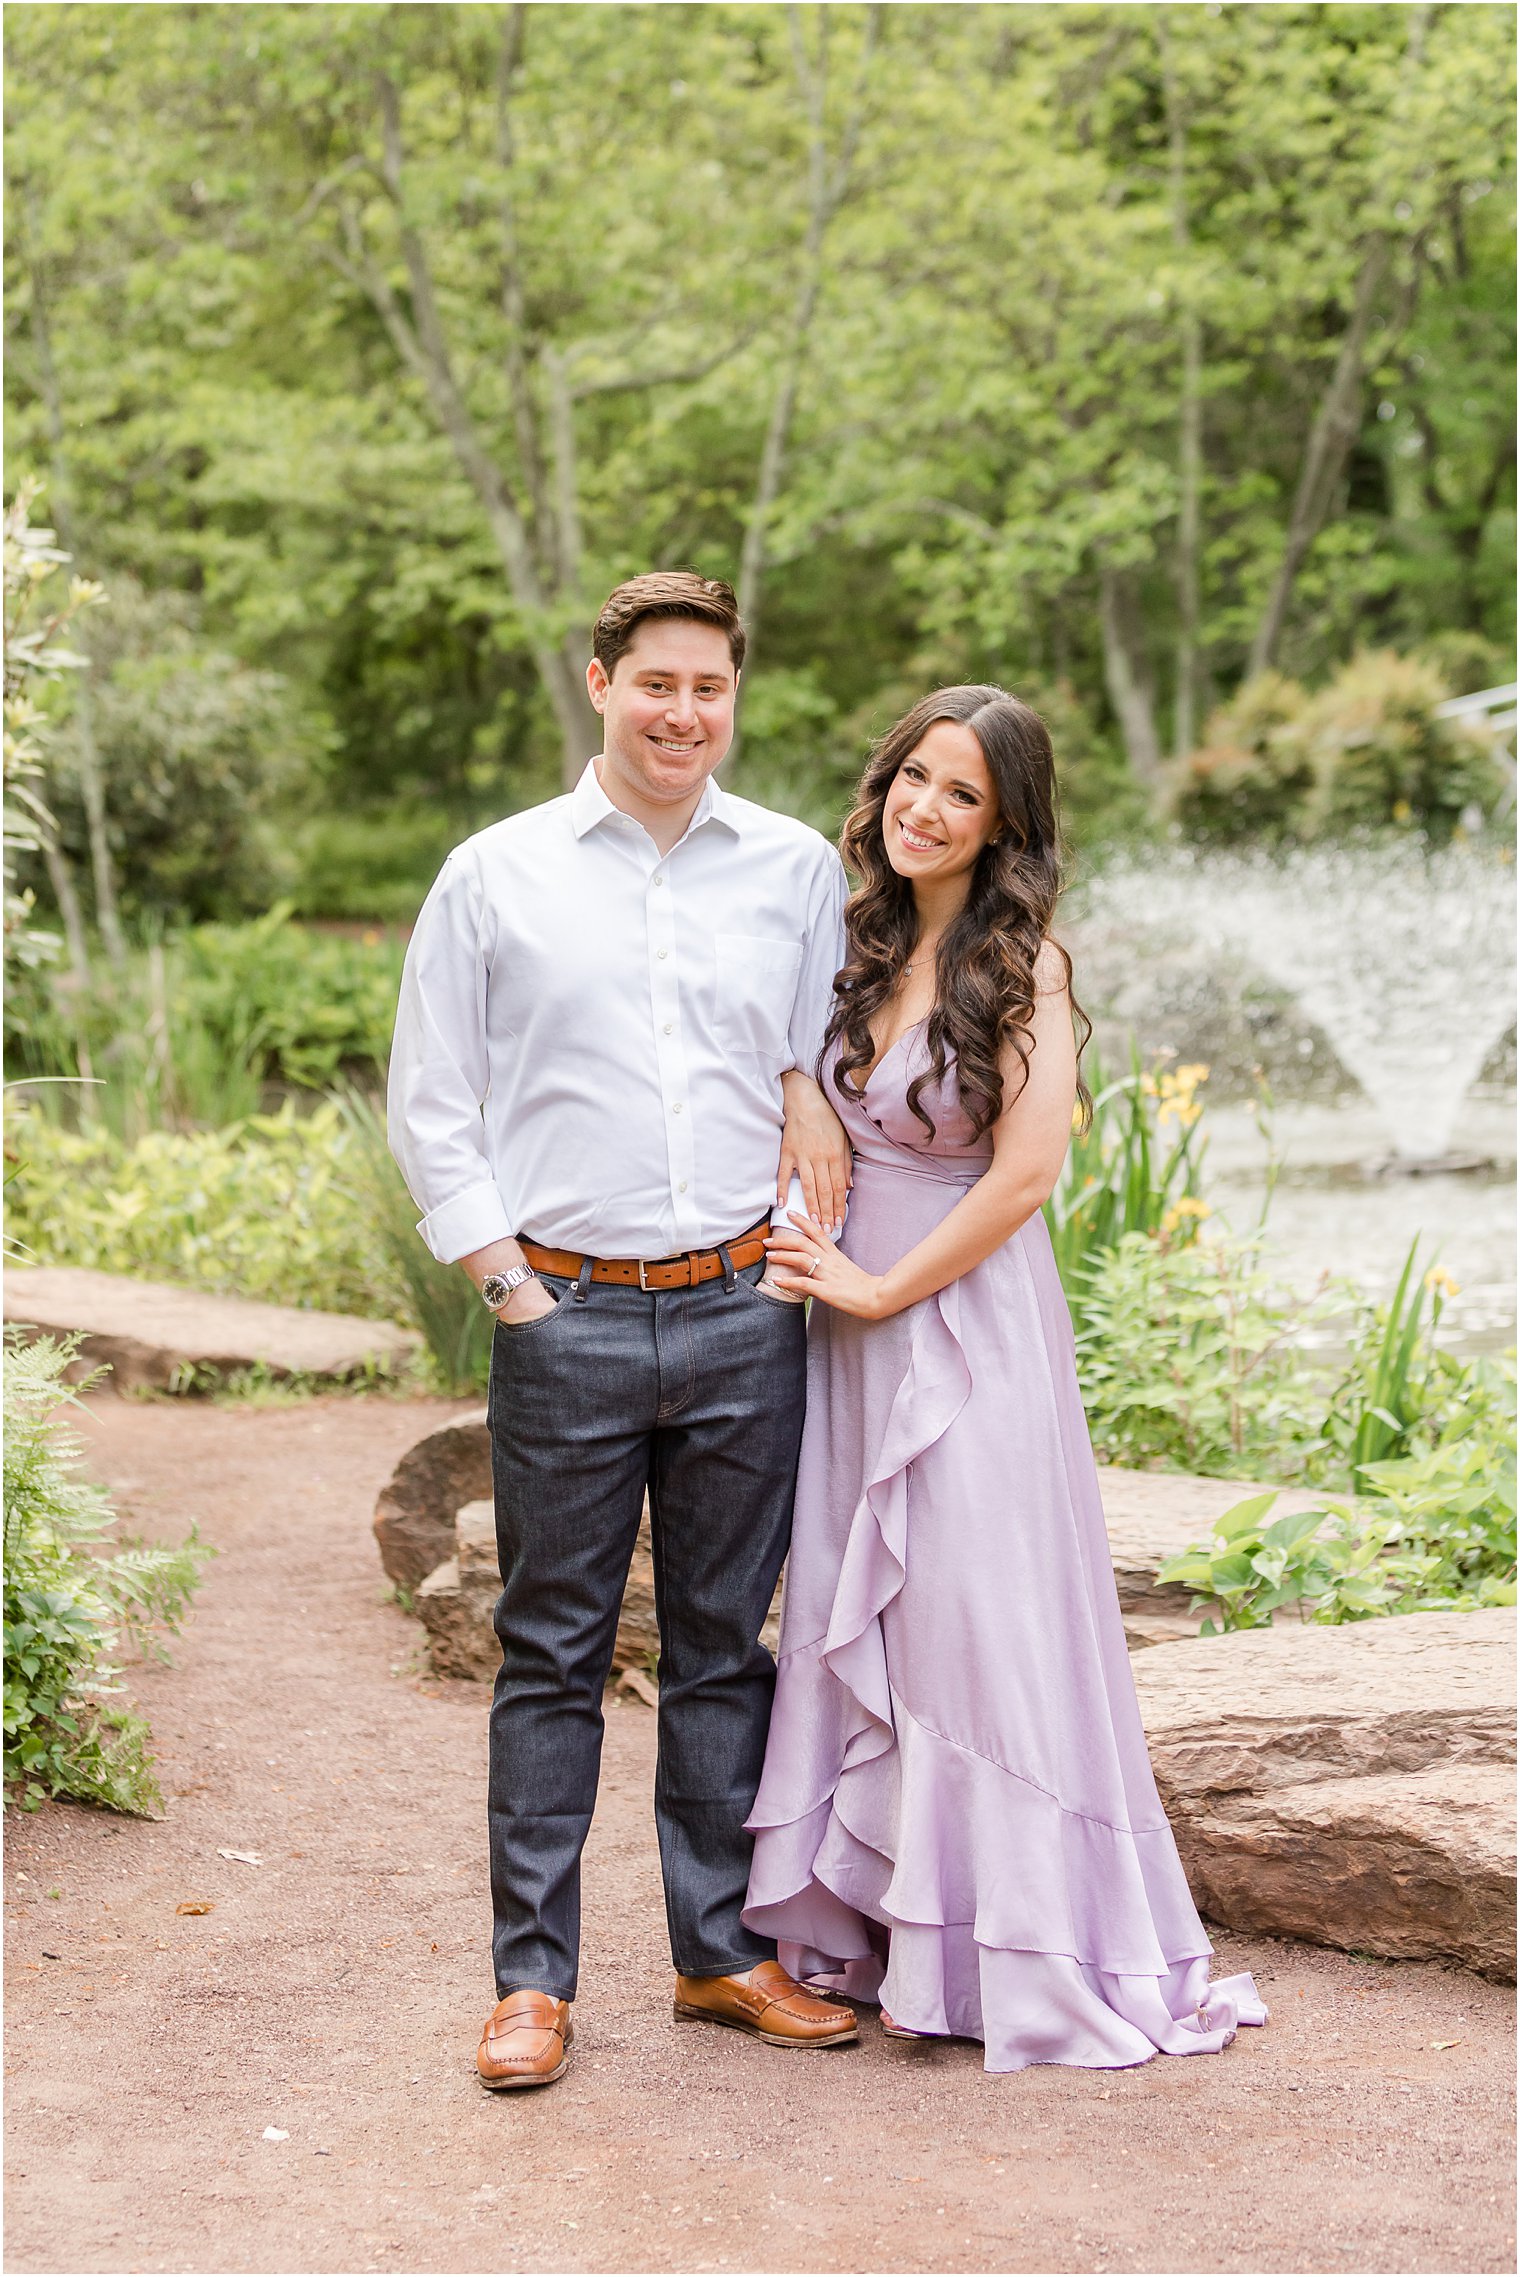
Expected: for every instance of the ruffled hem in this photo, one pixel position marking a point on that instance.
(1052, 1936)
(927, 1834)
(1039, 2008)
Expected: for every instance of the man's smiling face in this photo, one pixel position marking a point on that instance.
(668, 709)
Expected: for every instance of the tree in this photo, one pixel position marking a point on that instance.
(35, 658)
(830, 163)
(998, 343)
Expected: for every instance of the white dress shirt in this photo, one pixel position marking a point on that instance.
(591, 1034)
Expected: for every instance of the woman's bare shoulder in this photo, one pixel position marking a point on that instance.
(1051, 969)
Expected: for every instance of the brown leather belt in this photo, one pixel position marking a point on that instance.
(687, 1271)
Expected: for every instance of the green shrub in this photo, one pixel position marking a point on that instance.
(1434, 1532)
(1395, 1380)
(1380, 755)
(69, 1606)
(1365, 752)
(296, 1209)
(1252, 774)
(1188, 1359)
(196, 1026)
(373, 866)
(265, 1208)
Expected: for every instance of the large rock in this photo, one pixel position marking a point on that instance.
(456, 1601)
(1150, 1515)
(1350, 1785)
(155, 1337)
(1413, 1865)
(414, 1517)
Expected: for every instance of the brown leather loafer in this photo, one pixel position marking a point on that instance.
(526, 2041)
(768, 2003)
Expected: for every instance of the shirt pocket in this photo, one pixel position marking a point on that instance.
(756, 989)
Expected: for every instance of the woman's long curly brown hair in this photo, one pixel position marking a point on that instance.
(985, 961)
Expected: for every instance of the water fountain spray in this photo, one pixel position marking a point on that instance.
(1403, 957)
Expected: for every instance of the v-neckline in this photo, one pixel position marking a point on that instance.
(896, 1045)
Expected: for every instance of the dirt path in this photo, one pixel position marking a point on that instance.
(336, 1991)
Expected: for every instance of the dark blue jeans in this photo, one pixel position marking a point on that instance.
(698, 1395)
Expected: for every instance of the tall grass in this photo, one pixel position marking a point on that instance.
(1135, 1169)
(455, 1324)
(1396, 1376)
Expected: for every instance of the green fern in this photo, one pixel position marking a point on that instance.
(71, 1603)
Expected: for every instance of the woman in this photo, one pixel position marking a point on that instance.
(957, 1812)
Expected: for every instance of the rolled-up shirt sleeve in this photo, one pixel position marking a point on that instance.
(439, 1072)
(822, 956)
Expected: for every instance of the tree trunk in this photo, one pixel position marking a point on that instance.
(422, 344)
(1329, 445)
(827, 186)
(87, 752)
(1190, 424)
(1128, 680)
(1189, 525)
(93, 792)
(61, 878)
(1339, 416)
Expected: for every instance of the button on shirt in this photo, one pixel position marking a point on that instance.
(591, 1034)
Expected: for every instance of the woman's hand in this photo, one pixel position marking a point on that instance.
(802, 1258)
(813, 1145)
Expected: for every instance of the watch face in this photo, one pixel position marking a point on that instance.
(495, 1290)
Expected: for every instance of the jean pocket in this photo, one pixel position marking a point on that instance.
(768, 1297)
(511, 1328)
(783, 1297)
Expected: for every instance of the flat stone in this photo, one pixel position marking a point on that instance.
(1283, 1706)
(1350, 1784)
(152, 1336)
(1415, 1865)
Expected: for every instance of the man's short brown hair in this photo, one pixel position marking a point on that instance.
(665, 593)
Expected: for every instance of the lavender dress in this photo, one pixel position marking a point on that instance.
(956, 1753)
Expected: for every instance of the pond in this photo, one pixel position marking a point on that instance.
(1369, 993)
(1326, 1214)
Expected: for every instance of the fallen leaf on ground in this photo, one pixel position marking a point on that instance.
(1447, 2043)
(276, 2135)
(243, 1857)
(196, 1905)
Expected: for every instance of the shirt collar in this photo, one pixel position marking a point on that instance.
(590, 805)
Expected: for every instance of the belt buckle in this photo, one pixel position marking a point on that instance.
(643, 1284)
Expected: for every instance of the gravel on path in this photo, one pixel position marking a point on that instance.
(286, 2083)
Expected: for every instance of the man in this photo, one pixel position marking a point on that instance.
(608, 1022)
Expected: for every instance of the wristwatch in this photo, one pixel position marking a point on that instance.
(497, 1287)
